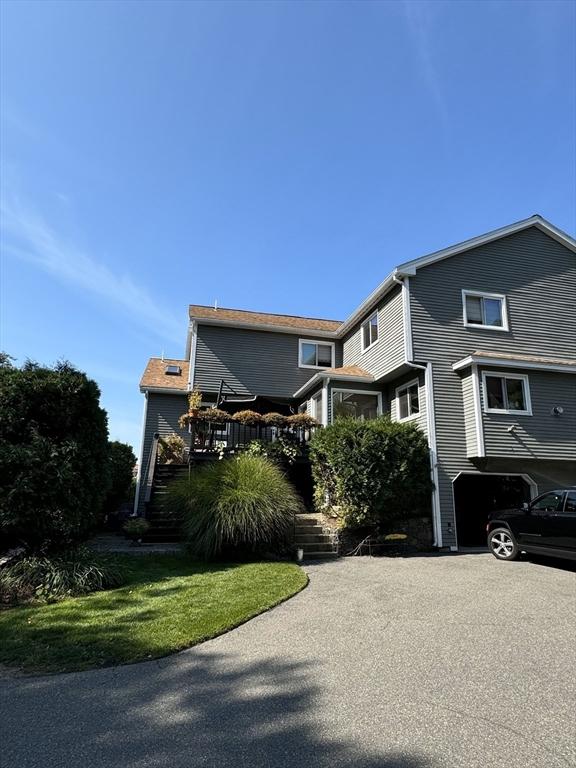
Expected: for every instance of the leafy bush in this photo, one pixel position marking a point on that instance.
(371, 471)
(302, 420)
(121, 462)
(244, 503)
(172, 449)
(275, 420)
(136, 527)
(249, 418)
(54, 461)
(285, 450)
(70, 573)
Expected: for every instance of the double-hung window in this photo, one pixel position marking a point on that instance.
(315, 354)
(369, 332)
(407, 401)
(484, 310)
(506, 393)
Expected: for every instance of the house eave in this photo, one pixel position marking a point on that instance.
(266, 327)
(493, 362)
(323, 375)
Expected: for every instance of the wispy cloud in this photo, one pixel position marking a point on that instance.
(420, 21)
(27, 236)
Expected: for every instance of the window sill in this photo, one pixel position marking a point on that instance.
(369, 347)
(316, 367)
(498, 412)
(487, 327)
(412, 417)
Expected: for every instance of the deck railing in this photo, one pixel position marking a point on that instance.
(232, 436)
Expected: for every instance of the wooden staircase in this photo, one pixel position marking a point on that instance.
(317, 541)
(163, 525)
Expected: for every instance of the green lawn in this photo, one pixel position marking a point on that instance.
(169, 603)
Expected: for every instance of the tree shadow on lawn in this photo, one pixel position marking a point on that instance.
(201, 708)
(147, 618)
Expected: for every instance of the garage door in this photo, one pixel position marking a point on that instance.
(476, 496)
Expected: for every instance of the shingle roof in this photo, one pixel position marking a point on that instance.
(525, 358)
(200, 312)
(350, 370)
(155, 376)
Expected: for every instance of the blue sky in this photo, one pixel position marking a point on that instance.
(273, 156)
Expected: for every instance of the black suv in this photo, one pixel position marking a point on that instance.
(545, 526)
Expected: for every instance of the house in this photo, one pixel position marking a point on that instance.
(475, 343)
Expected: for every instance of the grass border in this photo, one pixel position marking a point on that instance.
(10, 671)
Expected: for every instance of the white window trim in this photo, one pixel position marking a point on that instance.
(399, 389)
(507, 375)
(373, 343)
(378, 396)
(315, 409)
(324, 343)
(485, 295)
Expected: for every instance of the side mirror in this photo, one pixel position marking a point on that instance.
(525, 506)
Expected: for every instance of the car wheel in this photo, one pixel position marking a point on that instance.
(502, 544)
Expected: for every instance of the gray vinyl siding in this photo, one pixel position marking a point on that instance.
(421, 420)
(469, 416)
(388, 353)
(542, 435)
(538, 276)
(162, 416)
(251, 362)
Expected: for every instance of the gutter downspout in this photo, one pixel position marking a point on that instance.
(430, 410)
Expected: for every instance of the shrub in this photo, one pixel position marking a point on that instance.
(285, 450)
(249, 418)
(121, 462)
(302, 420)
(70, 573)
(244, 503)
(275, 420)
(172, 449)
(136, 527)
(54, 458)
(371, 471)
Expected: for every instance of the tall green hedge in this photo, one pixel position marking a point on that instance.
(54, 458)
(371, 471)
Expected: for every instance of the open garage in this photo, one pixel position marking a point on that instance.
(476, 495)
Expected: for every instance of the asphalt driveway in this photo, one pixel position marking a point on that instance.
(422, 662)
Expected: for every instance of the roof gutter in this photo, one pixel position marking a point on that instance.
(323, 376)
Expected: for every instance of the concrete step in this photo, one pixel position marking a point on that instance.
(310, 538)
(302, 520)
(320, 555)
(309, 530)
(326, 546)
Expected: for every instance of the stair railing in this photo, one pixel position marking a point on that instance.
(150, 469)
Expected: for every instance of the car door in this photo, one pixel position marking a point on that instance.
(563, 524)
(540, 523)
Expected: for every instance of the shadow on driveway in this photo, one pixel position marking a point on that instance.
(205, 710)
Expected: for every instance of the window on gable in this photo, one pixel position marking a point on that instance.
(484, 310)
(407, 401)
(369, 331)
(506, 393)
(315, 354)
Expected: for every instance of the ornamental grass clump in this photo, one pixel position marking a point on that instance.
(244, 504)
(68, 574)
